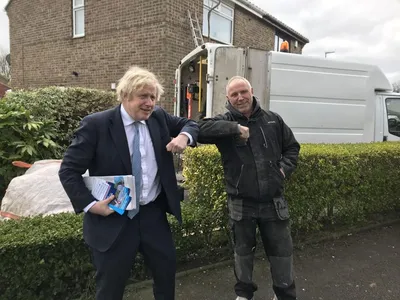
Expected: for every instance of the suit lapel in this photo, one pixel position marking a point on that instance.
(154, 130)
(118, 135)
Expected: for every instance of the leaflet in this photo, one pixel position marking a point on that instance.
(122, 187)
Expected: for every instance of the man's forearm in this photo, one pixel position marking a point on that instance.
(213, 130)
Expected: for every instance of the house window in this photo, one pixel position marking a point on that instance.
(78, 18)
(278, 42)
(221, 21)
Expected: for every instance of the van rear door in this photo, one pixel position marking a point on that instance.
(224, 64)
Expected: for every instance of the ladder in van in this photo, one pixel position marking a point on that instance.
(196, 30)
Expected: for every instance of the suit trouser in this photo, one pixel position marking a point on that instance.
(278, 246)
(149, 233)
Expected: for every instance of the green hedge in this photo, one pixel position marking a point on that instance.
(53, 115)
(45, 258)
(64, 106)
(332, 183)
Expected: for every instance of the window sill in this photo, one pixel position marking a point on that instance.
(216, 40)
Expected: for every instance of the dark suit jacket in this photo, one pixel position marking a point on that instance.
(100, 146)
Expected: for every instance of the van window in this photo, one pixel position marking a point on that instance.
(393, 113)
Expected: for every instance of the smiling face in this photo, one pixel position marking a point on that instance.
(141, 104)
(240, 95)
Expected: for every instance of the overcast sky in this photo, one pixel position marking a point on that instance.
(365, 32)
(4, 34)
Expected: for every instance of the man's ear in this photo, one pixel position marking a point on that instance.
(126, 97)
(251, 90)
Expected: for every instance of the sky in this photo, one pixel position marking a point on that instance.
(367, 32)
(4, 32)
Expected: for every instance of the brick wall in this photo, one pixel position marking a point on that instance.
(117, 35)
(179, 40)
(151, 33)
(251, 31)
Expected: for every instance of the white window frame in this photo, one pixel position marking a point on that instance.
(278, 41)
(208, 4)
(76, 8)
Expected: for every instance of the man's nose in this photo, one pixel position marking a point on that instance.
(149, 101)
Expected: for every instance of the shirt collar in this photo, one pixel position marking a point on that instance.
(126, 118)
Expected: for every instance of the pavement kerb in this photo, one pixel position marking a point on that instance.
(148, 283)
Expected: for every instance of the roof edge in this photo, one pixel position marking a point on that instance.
(6, 7)
(255, 10)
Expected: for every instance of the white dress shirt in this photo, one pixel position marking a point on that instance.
(151, 186)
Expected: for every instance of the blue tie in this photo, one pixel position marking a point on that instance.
(136, 169)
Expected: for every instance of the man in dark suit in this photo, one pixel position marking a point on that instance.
(132, 138)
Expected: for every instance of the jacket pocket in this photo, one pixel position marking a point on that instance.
(239, 179)
(276, 179)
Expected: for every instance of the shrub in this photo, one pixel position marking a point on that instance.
(332, 184)
(64, 106)
(204, 180)
(23, 138)
(45, 258)
(50, 116)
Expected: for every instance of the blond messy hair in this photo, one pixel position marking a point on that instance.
(234, 78)
(135, 79)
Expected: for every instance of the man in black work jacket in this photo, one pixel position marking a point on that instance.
(258, 151)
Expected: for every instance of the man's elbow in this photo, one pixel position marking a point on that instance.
(64, 173)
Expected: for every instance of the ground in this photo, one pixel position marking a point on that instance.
(362, 266)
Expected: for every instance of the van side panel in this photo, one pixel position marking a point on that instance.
(323, 101)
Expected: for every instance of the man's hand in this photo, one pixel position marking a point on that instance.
(178, 144)
(283, 173)
(244, 132)
(101, 207)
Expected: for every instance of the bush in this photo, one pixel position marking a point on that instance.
(23, 138)
(332, 184)
(53, 115)
(64, 106)
(45, 258)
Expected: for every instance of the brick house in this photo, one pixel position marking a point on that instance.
(91, 43)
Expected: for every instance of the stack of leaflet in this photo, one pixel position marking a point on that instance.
(122, 187)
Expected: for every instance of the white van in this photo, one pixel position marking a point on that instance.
(322, 100)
